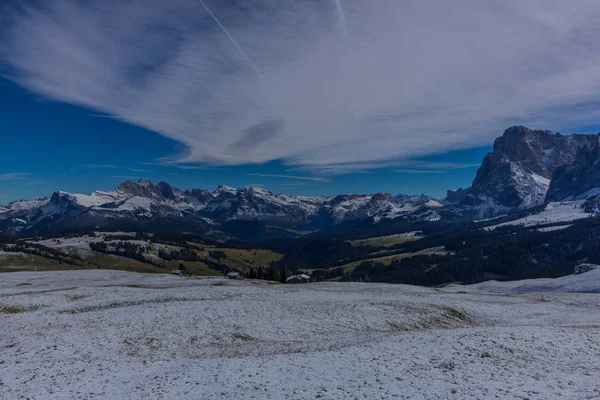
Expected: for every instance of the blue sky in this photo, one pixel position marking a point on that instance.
(48, 146)
(301, 97)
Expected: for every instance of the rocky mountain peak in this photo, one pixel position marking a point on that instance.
(203, 195)
(516, 175)
(382, 197)
(225, 188)
(141, 188)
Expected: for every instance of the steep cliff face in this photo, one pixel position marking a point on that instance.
(517, 174)
(578, 179)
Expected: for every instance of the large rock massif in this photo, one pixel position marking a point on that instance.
(519, 172)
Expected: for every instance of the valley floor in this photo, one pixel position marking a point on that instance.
(119, 335)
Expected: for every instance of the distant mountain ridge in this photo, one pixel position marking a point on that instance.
(146, 204)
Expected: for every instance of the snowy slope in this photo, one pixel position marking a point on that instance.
(588, 282)
(23, 205)
(118, 335)
(554, 212)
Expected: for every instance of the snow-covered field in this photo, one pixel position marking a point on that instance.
(583, 283)
(118, 335)
(554, 212)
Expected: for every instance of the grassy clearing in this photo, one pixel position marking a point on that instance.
(110, 261)
(386, 241)
(29, 262)
(242, 260)
(253, 257)
(193, 267)
(387, 260)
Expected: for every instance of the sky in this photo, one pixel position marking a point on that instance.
(312, 97)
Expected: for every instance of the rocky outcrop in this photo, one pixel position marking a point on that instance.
(516, 175)
(580, 177)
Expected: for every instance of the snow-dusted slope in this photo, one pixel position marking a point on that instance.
(23, 205)
(554, 212)
(116, 335)
(588, 282)
(261, 204)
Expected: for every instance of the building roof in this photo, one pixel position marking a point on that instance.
(233, 274)
(300, 276)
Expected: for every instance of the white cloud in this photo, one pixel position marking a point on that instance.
(446, 165)
(128, 177)
(419, 171)
(414, 78)
(294, 177)
(433, 167)
(99, 166)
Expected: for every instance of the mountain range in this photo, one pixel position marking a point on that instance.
(527, 169)
(144, 204)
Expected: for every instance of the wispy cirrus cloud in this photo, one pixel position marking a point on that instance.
(415, 78)
(99, 166)
(433, 167)
(419, 171)
(185, 166)
(127, 177)
(294, 184)
(294, 177)
(15, 176)
(447, 165)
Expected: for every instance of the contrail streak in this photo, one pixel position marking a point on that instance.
(232, 40)
(342, 19)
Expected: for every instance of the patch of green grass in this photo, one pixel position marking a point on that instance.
(386, 241)
(485, 354)
(17, 309)
(387, 260)
(75, 297)
(121, 304)
(454, 313)
(30, 262)
(110, 261)
(193, 267)
(244, 260)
